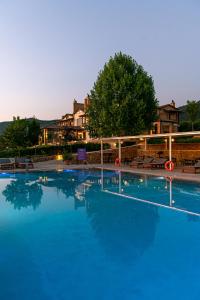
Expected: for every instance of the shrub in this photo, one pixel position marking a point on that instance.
(67, 156)
(155, 141)
(185, 140)
(47, 150)
(128, 143)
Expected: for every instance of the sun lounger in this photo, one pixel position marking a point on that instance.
(146, 160)
(156, 163)
(6, 164)
(192, 169)
(135, 162)
(23, 163)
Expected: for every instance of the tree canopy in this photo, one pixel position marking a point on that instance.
(21, 133)
(122, 101)
(192, 110)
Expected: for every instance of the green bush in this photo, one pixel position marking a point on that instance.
(187, 140)
(155, 141)
(67, 156)
(128, 143)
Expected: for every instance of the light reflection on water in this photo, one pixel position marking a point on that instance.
(74, 235)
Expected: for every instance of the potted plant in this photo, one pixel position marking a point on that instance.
(67, 157)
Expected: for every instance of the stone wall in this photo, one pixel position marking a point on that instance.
(109, 155)
(179, 151)
(175, 146)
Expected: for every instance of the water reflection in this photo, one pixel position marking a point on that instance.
(26, 190)
(160, 191)
(72, 184)
(126, 229)
(22, 193)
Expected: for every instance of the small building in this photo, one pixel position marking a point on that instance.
(168, 119)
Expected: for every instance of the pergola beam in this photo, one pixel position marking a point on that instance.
(148, 136)
(145, 137)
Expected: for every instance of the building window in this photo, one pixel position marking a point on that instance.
(79, 122)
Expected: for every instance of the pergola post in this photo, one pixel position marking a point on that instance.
(170, 194)
(145, 144)
(120, 182)
(170, 147)
(102, 179)
(120, 152)
(102, 153)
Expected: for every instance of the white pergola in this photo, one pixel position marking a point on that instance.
(169, 136)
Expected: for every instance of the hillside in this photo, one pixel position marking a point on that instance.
(43, 123)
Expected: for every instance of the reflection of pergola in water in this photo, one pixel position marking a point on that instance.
(118, 227)
(171, 205)
(169, 136)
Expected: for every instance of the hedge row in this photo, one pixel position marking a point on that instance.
(178, 140)
(189, 140)
(51, 149)
(155, 141)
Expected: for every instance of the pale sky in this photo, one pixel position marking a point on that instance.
(52, 50)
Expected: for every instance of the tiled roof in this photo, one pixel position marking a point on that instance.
(168, 107)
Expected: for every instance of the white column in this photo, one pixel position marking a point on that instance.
(102, 179)
(120, 182)
(170, 147)
(120, 152)
(101, 152)
(170, 193)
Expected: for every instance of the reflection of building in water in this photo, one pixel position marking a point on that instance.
(79, 196)
(74, 184)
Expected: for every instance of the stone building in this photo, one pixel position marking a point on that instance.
(71, 127)
(168, 119)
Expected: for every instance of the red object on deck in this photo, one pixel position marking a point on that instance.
(169, 166)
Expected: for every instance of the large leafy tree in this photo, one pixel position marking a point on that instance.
(192, 110)
(21, 133)
(122, 101)
(33, 131)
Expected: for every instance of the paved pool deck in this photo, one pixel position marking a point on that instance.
(57, 165)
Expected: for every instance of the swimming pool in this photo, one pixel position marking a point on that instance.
(89, 234)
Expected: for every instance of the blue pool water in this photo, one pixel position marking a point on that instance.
(98, 235)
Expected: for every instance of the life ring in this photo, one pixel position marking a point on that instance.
(117, 162)
(169, 166)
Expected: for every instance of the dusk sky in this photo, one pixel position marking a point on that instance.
(52, 50)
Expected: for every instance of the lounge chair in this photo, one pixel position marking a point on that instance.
(146, 160)
(135, 162)
(156, 163)
(192, 169)
(6, 164)
(23, 163)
